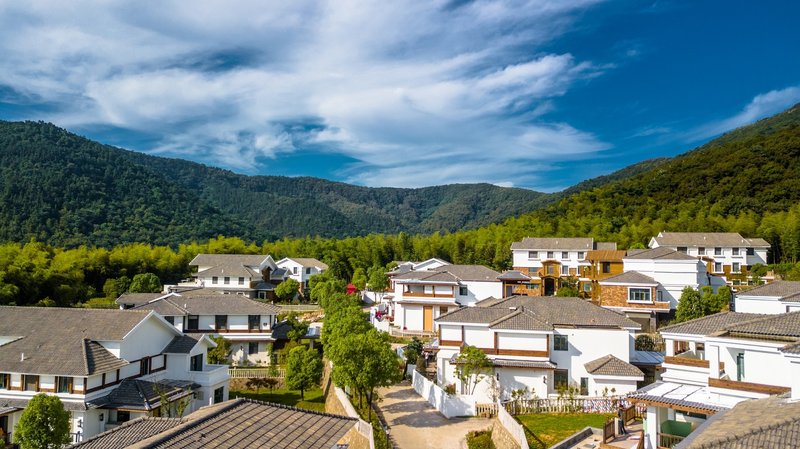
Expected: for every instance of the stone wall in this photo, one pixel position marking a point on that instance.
(501, 438)
(617, 296)
(361, 435)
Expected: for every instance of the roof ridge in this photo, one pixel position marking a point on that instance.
(85, 355)
(511, 314)
(752, 431)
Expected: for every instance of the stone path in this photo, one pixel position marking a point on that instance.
(414, 424)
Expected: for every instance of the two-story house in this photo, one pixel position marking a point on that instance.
(301, 269)
(724, 253)
(106, 366)
(775, 297)
(543, 344)
(246, 323)
(421, 296)
(715, 362)
(550, 262)
(254, 276)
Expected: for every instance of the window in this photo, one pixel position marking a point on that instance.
(581, 255)
(31, 383)
(5, 380)
(606, 267)
(639, 295)
(214, 279)
(560, 378)
(241, 280)
(144, 366)
(294, 270)
(735, 251)
(123, 416)
(533, 254)
(462, 290)
(253, 322)
(227, 280)
(219, 395)
(193, 323)
(701, 251)
(682, 249)
(64, 385)
(220, 322)
(751, 251)
(737, 267)
(565, 270)
(560, 343)
(717, 251)
(252, 347)
(717, 267)
(740, 366)
(550, 255)
(308, 270)
(196, 363)
(170, 319)
(551, 269)
(660, 296)
(564, 255)
(587, 287)
(584, 386)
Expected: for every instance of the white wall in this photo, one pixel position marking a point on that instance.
(586, 345)
(759, 304)
(480, 336)
(449, 405)
(148, 338)
(450, 332)
(536, 381)
(614, 386)
(477, 291)
(519, 340)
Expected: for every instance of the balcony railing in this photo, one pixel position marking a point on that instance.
(667, 441)
(686, 361)
(228, 331)
(211, 374)
(428, 295)
(747, 386)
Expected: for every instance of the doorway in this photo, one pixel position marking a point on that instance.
(549, 286)
(427, 318)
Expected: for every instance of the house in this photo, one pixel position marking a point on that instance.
(253, 276)
(246, 323)
(651, 284)
(543, 344)
(106, 366)
(716, 362)
(238, 423)
(301, 269)
(775, 297)
(421, 296)
(552, 262)
(724, 253)
(604, 263)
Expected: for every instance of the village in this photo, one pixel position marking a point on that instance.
(668, 346)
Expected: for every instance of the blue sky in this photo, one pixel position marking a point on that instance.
(537, 94)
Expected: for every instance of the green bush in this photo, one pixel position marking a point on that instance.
(480, 439)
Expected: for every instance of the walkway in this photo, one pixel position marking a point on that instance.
(414, 424)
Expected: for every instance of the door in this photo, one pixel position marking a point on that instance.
(740, 366)
(427, 318)
(549, 286)
(509, 291)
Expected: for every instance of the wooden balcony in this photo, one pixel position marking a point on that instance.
(227, 331)
(409, 294)
(747, 386)
(685, 361)
(667, 441)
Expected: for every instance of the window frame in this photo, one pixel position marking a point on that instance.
(241, 280)
(560, 373)
(69, 385)
(5, 381)
(718, 267)
(736, 251)
(36, 379)
(463, 290)
(551, 255)
(564, 255)
(214, 279)
(701, 250)
(605, 267)
(581, 255)
(560, 342)
(565, 270)
(533, 255)
(717, 251)
(196, 319)
(220, 322)
(251, 319)
(633, 291)
(736, 267)
(193, 363)
(250, 348)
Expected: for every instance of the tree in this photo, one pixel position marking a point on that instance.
(297, 329)
(691, 305)
(378, 281)
(569, 287)
(303, 369)
(145, 283)
(360, 278)
(472, 366)
(113, 288)
(44, 424)
(287, 290)
(219, 354)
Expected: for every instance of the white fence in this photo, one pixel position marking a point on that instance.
(364, 427)
(512, 426)
(257, 373)
(448, 405)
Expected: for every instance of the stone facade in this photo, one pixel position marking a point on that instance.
(501, 438)
(617, 296)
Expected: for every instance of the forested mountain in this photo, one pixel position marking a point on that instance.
(67, 190)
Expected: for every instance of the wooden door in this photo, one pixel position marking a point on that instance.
(427, 318)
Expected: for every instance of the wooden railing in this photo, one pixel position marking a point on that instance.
(487, 410)
(428, 295)
(667, 441)
(747, 386)
(685, 361)
(608, 431)
(629, 414)
(257, 373)
(640, 444)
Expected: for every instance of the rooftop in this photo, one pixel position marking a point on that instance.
(742, 325)
(451, 273)
(567, 243)
(708, 239)
(612, 366)
(209, 304)
(630, 277)
(658, 253)
(786, 290)
(307, 262)
(210, 260)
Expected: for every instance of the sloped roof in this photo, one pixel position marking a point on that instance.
(182, 344)
(754, 424)
(705, 239)
(787, 290)
(792, 348)
(658, 253)
(231, 270)
(452, 273)
(99, 359)
(711, 324)
(211, 260)
(129, 433)
(693, 396)
(137, 298)
(483, 315)
(512, 363)
(211, 304)
(555, 243)
(513, 275)
(612, 366)
(521, 319)
(605, 255)
(54, 340)
(630, 277)
(307, 262)
(134, 394)
(779, 325)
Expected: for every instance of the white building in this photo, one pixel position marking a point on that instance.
(245, 322)
(549, 261)
(725, 253)
(775, 297)
(543, 343)
(714, 363)
(254, 276)
(420, 297)
(301, 269)
(106, 366)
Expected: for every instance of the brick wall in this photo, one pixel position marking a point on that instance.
(617, 296)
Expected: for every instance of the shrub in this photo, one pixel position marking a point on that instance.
(645, 343)
(480, 439)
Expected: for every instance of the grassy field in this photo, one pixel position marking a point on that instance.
(313, 398)
(549, 429)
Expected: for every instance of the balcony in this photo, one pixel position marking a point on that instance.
(211, 375)
(417, 294)
(750, 387)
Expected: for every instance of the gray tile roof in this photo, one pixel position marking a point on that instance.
(239, 423)
(792, 348)
(70, 406)
(605, 246)
(210, 260)
(182, 344)
(555, 243)
(521, 319)
(99, 359)
(233, 270)
(754, 424)
(512, 363)
(309, 262)
(781, 289)
(137, 298)
(129, 433)
(452, 273)
(513, 275)
(780, 325)
(209, 304)
(54, 339)
(612, 366)
(658, 253)
(133, 394)
(708, 239)
(483, 315)
(711, 324)
(630, 277)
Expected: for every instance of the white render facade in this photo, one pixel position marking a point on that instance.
(301, 269)
(775, 297)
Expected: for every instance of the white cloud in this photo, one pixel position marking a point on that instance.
(420, 92)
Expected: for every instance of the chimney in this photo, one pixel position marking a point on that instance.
(21, 356)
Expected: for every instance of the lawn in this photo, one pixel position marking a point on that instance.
(314, 400)
(548, 429)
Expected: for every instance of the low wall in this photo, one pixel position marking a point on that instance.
(361, 437)
(577, 438)
(448, 405)
(511, 425)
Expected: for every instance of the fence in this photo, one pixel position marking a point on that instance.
(514, 428)
(364, 428)
(395, 332)
(257, 373)
(300, 308)
(448, 405)
(608, 430)
(574, 405)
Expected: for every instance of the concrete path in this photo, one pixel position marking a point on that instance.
(414, 424)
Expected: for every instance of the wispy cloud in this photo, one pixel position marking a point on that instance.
(420, 93)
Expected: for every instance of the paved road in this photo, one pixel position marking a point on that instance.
(414, 424)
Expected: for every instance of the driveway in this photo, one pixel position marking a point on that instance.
(414, 424)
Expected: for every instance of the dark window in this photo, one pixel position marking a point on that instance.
(751, 251)
(219, 395)
(701, 251)
(550, 255)
(31, 383)
(220, 322)
(241, 281)
(170, 319)
(5, 380)
(533, 254)
(581, 255)
(462, 290)
(252, 347)
(196, 363)
(564, 255)
(308, 270)
(606, 267)
(560, 378)
(194, 323)
(584, 386)
(227, 280)
(717, 251)
(740, 366)
(682, 249)
(735, 251)
(214, 279)
(639, 294)
(123, 416)
(144, 366)
(560, 343)
(64, 385)
(253, 322)
(294, 270)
